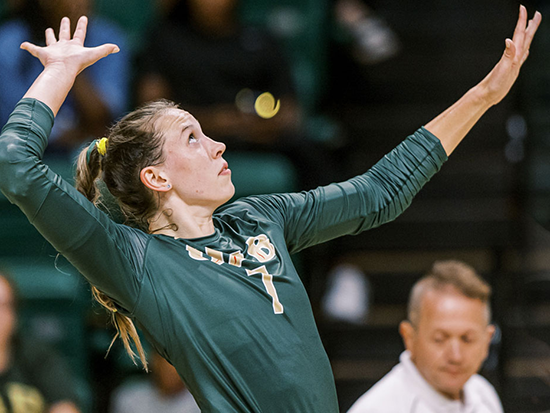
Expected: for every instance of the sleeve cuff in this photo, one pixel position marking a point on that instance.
(38, 113)
(432, 143)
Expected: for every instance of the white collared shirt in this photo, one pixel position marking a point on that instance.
(404, 390)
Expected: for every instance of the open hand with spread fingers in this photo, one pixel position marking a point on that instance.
(63, 60)
(66, 53)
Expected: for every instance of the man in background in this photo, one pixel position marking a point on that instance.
(447, 337)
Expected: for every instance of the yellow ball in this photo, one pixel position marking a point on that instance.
(265, 105)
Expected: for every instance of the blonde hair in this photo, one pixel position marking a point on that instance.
(111, 181)
(125, 328)
(444, 274)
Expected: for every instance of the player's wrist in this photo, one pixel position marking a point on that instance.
(60, 73)
(479, 96)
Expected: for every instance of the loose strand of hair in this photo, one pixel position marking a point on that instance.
(125, 329)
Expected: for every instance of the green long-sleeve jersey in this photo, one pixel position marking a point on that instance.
(227, 310)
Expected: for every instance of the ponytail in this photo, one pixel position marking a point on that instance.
(125, 328)
(88, 172)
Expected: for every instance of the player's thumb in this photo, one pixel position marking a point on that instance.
(31, 48)
(97, 53)
(510, 50)
(104, 50)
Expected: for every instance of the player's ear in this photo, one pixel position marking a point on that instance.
(154, 178)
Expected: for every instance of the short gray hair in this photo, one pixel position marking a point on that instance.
(444, 274)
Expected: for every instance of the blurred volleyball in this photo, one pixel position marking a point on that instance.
(265, 105)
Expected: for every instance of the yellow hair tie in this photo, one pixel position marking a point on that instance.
(101, 146)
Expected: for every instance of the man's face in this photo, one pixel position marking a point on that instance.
(450, 341)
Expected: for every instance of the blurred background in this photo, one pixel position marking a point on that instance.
(354, 78)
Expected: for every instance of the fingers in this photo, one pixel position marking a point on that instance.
(530, 33)
(519, 31)
(80, 31)
(70, 52)
(523, 35)
(65, 29)
(50, 37)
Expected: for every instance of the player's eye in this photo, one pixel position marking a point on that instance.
(192, 138)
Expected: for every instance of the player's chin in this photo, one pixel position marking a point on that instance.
(228, 191)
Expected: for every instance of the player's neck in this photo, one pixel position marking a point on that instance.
(183, 222)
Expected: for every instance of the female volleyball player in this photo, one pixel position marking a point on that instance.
(212, 287)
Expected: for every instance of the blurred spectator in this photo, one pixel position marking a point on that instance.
(372, 39)
(99, 94)
(203, 58)
(165, 392)
(33, 379)
(348, 295)
(447, 336)
(363, 45)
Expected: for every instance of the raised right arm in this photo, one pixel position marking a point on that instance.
(63, 60)
(73, 225)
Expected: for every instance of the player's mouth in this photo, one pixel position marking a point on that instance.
(225, 169)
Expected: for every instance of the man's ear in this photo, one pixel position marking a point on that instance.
(153, 178)
(407, 332)
(490, 331)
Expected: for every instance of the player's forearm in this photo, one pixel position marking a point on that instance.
(51, 87)
(452, 125)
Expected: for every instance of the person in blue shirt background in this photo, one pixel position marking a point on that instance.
(98, 96)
